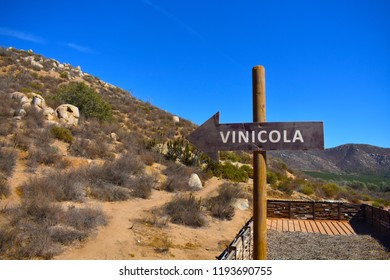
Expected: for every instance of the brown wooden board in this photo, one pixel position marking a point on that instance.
(212, 136)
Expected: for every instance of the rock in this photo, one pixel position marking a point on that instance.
(20, 113)
(114, 137)
(176, 119)
(68, 114)
(23, 99)
(49, 114)
(17, 95)
(242, 204)
(195, 182)
(38, 101)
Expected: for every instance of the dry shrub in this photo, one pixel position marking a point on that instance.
(120, 179)
(90, 149)
(34, 119)
(221, 206)
(8, 158)
(177, 177)
(56, 186)
(185, 210)
(66, 234)
(4, 187)
(46, 155)
(39, 228)
(142, 186)
(108, 192)
(30, 241)
(85, 219)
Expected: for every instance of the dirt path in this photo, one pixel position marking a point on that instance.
(133, 232)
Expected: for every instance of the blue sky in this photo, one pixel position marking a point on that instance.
(325, 60)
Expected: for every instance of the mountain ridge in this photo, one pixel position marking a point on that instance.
(343, 159)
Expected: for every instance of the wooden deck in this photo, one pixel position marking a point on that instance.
(315, 226)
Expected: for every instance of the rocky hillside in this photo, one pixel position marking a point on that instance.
(89, 171)
(344, 159)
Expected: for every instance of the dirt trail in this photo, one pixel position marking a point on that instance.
(129, 235)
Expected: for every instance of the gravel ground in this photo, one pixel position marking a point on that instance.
(312, 246)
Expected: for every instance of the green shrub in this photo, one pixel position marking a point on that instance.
(229, 171)
(62, 134)
(180, 149)
(64, 75)
(89, 102)
(307, 188)
(287, 186)
(271, 178)
(331, 190)
(248, 169)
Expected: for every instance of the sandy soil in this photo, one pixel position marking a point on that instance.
(135, 231)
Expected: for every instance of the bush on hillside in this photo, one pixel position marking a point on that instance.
(221, 206)
(62, 134)
(89, 102)
(185, 210)
(230, 171)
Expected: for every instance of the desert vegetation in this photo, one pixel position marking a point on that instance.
(122, 149)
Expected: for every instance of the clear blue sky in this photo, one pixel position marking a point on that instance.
(325, 60)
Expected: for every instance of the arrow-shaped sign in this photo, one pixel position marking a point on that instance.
(212, 136)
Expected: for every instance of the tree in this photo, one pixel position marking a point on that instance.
(89, 102)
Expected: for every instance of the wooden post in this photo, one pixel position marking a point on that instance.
(259, 170)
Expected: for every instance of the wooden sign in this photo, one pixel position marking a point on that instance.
(212, 136)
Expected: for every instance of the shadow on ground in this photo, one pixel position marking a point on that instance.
(363, 228)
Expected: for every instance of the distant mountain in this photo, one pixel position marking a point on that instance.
(349, 158)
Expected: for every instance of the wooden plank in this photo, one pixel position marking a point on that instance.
(332, 227)
(348, 226)
(273, 225)
(302, 226)
(327, 229)
(321, 228)
(279, 224)
(296, 225)
(314, 226)
(285, 225)
(269, 223)
(291, 225)
(342, 229)
(308, 226)
(337, 225)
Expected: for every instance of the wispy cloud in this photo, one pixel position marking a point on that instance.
(21, 35)
(173, 18)
(79, 48)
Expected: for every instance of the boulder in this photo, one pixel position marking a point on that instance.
(194, 182)
(176, 119)
(114, 137)
(38, 101)
(68, 114)
(49, 114)
(17, 95)
(242, 204)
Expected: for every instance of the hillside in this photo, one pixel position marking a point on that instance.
(89, 171)
(344, 159)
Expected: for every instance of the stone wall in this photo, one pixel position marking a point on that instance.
(311, 210)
